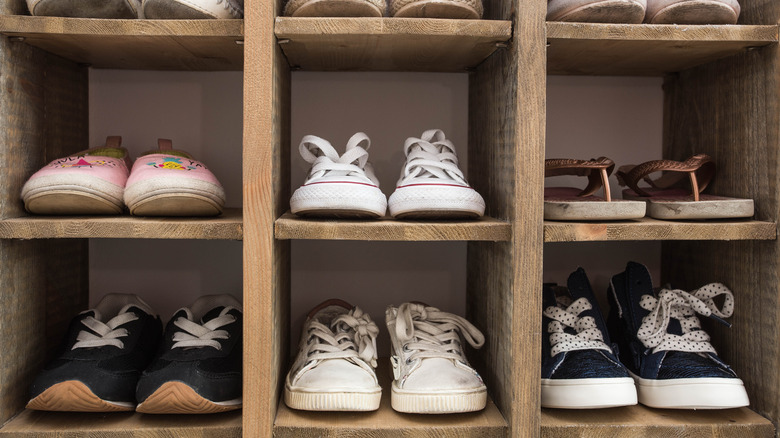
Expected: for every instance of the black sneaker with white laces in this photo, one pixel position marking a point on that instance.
(198, 368)
(104, 352)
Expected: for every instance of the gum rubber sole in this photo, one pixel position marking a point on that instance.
(333, 401)
(438, 9)
(178, 398)
(74, 396)
(337, 8)
(696, 12)
(69, 202)
(606, 11)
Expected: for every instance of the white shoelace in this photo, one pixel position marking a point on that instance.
(234, 9)
(683, 306)
(350, 335)
(326, 161)
(429, 332)
(107, 333)
(588, 336)
(202, 335)
(431, 157)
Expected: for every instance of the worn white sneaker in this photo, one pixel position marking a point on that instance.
(431, 184)
(430, 372)
(338, 186)
(334, 369)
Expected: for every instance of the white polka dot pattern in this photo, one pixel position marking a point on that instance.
(588, 335)
(683, 306)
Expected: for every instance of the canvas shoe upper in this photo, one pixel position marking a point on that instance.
(431, 183)
(340, 186)
(663, 346)
(334, 368)
(579, 367)
(86, 8)
(104, 352)
(198, 368)
(430, 372)
(193, 9)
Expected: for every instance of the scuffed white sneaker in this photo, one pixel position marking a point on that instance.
(334, 369)
(338, 186)
(431, 184)
(430, 372)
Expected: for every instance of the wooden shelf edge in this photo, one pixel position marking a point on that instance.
(286, 27)
(228, 226)
(291, 227)
(758, 35)
(653, 229)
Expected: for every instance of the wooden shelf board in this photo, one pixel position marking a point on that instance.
(653, 229)
(645, 49)
(228, 226)
(40, 424)
(290, 226)
(201, 45)
(389, 44)
(641, 421)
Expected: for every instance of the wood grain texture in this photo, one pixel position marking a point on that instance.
(134, 44)
(290, 226)
(228, 226)
(38, 424)
(389, 43)
(653, 229)
(646, 50)
(640, 421)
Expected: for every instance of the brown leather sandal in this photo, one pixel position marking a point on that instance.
(665, 197)
(568, 203)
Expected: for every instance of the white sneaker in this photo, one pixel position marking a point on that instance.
(431, 184)
(430, 372)
(339, 186)
(334, 369)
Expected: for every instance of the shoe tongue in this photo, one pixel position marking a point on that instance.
(213, 313)
(132, 308)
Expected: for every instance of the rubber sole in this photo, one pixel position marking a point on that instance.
(707, 207)
(340, 200)
(74, 396)
(438, 403)
(694, 393)
(588, 393)
(69, 202)
(695, 12)
(577, 210)
(436, 202)
(332, 401)
(176, 204)
(178, 398)
(606, 11)
(336, 8)
(438, 9)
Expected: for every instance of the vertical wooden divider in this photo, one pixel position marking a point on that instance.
(266, 193)
(507, 101)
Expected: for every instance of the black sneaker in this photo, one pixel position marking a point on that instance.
(105, 350)
(198, 367)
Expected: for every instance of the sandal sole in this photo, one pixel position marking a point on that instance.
(74, 396)
(179, 398)
(684, 207)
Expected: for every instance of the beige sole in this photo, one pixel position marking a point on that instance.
(438, 214)
(178, 398)
(707, 207)
(438, 9)
(69, 202)
(337, 213)
(175, 205)
(337, 8)
(593, 210)
(695, 12)
(607, 11)
(333, 401)
(433, 403)
(74, 396)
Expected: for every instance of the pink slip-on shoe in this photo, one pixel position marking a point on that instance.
(88, 182)
(168, 182)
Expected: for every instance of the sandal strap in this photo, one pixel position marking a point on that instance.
(597, 170)
(700, 169)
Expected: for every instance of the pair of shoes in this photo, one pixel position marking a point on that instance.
(649, 11)
(128, 9)
(115, 356)
(665, 358)
(666, 198)
(431, 184)
(455, 9)
(162, 182)
(334, 368)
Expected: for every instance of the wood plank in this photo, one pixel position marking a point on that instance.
(640, 421)
(404, 44)
(228, 226)
(646, 50)
(203, 45)
(290, 226)
(654, 229)
(39, 424)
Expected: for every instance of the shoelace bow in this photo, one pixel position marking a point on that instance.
(588, 335)
(683, 306)
(197, 335)
(107, 333)
(432, 156)
(326, 161)
(351, 335)
(430, 333)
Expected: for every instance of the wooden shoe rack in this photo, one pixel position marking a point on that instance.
(722, 97)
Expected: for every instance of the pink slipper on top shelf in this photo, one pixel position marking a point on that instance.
(169, 182)
(87, 182)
